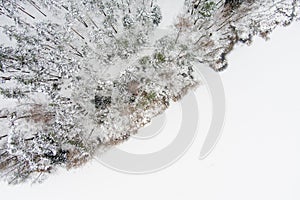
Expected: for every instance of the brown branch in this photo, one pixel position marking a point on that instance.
(65, 7)
(200, 38)
(3, 136)
(5, 78)
(3, 154)
(83, 22)
(16, 165)
(22, 9)
(110, 23)
(5, 162)
(77, 52)
(113, 28)
(36, 7)
(93, 21)
(177, 37)
(77, 33)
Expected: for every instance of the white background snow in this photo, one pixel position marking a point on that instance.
(256, 158)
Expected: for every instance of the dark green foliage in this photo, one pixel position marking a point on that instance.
(150, 96)
(156, 15)
(233, 3)
(207, 8)
(12, 93)
(127, 21)
(204, 8)
(160, 57)
(1, 66)
(144, 60)
(102, 102)
(57, 158)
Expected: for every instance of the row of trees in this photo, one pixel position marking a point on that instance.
(215, 26)
(50, 73)
(79, 76)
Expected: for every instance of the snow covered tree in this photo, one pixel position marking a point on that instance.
(78, 77)
(215, 34)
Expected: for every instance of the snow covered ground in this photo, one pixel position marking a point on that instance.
(256, 158)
